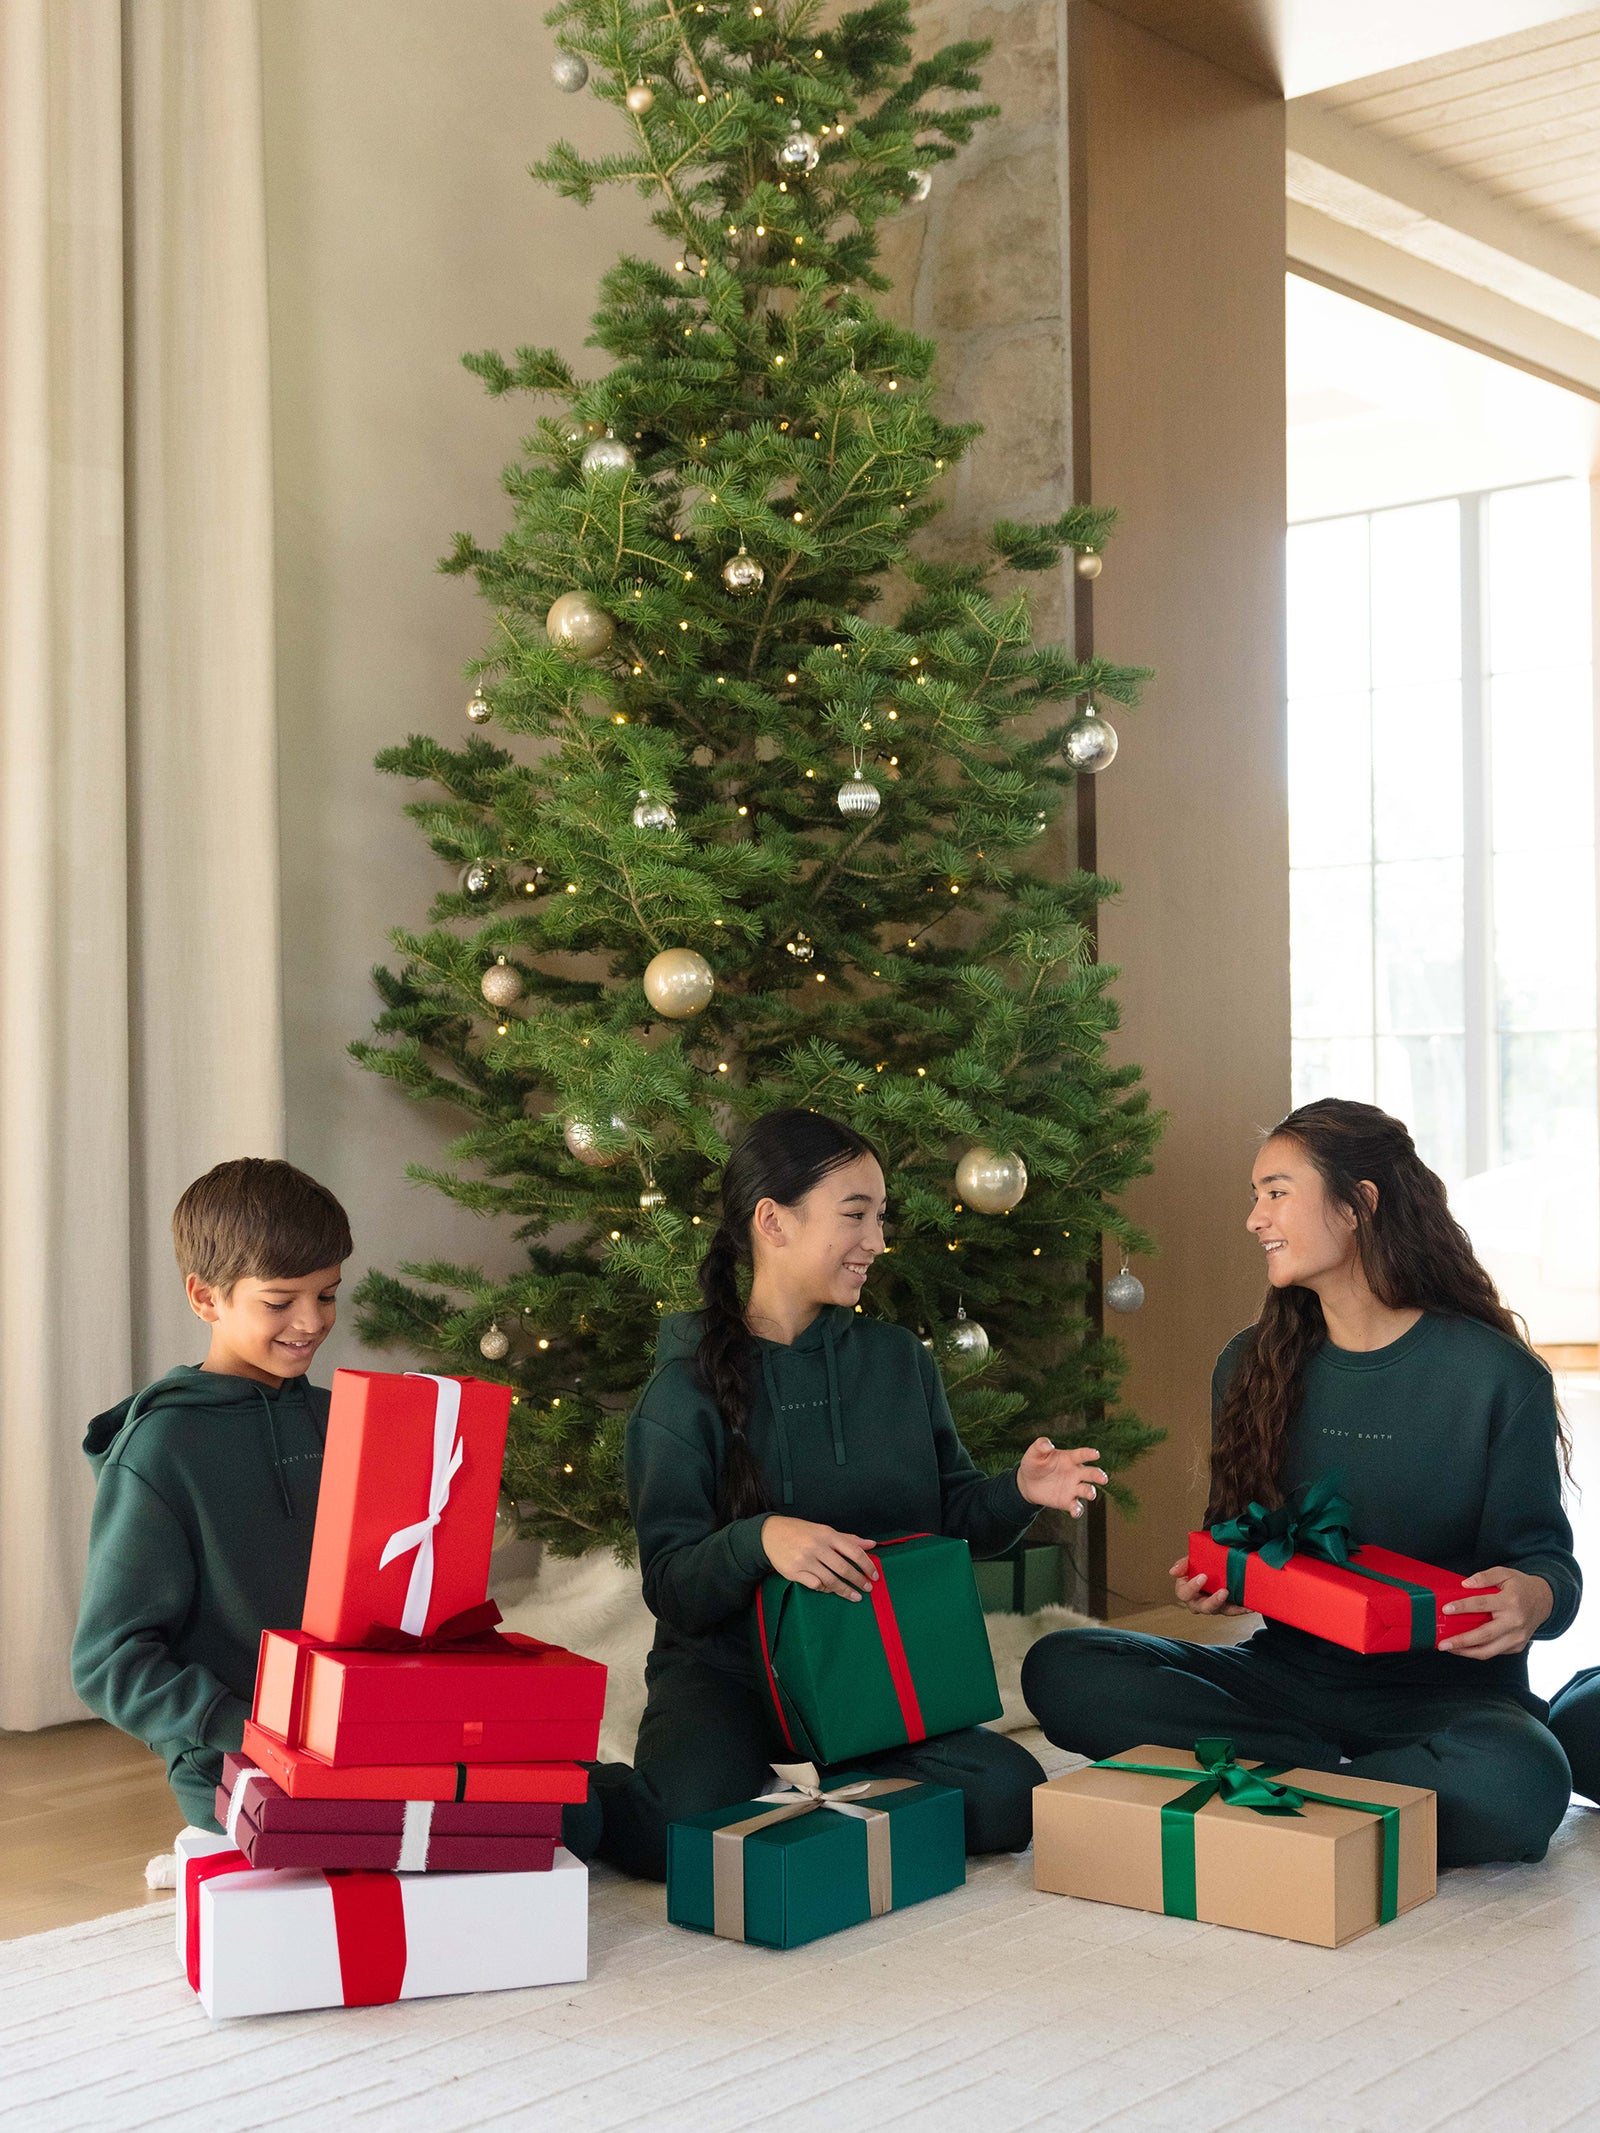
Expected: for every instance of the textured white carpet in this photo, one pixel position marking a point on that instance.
(994, 2008)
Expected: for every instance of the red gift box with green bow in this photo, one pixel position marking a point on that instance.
(1298, 1565)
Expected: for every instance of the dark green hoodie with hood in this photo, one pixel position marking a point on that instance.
(849, 1426)
(203, 1514)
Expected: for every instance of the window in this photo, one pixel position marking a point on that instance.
(1441, 818)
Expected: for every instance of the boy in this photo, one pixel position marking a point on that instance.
(208, 1478)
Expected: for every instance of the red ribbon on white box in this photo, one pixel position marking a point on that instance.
(447, 1456)
(369, 1923)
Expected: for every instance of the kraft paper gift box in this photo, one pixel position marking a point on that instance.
(796, 1865)
(405, 1509)
(1022, 1580)
(307, 1777)
(410, 1836)
(513, 1700)
(253, 1942)
(909, 1661)
(1307, 1855)
(1297, 1564)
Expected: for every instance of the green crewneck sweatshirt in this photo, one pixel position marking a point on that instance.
(1444, 1443)
(849, 1426)
(204, 1507)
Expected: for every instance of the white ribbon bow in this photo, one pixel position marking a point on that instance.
(447, 1456)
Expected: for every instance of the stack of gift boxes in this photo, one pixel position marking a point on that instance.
(393, 1822)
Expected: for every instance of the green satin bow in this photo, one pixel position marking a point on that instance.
(1314, 1520)
(1226, 1779)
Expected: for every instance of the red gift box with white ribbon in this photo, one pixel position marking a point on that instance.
(269, 1942)
(405, 1510)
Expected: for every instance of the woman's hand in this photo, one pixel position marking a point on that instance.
(1058, 1481)
(1190, 1591)
(817, 1557)
(1514, 1612)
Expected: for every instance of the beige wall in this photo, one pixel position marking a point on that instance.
(403, 230)
(1178, 289)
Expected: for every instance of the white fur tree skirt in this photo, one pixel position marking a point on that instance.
(594, 1605)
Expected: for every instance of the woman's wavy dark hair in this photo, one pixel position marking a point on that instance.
(780, 1158)
(1415, 1255)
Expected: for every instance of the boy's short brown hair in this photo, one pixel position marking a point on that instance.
(257, 1220)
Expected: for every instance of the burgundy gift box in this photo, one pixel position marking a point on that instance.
(248, 1790)
(417, 1847)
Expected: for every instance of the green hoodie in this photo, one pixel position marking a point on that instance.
(201, 1539)
(849, 1426)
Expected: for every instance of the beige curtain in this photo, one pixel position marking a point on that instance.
(139, 954)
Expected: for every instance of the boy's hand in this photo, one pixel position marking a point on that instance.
(1056, 1480)
(819, 1558)
(1190, 1591)
(1514, 1612)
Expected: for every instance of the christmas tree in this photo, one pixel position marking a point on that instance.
(750, 838)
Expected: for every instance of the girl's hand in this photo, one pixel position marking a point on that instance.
(1514, 1612)
(1058, 1481)
(819, 1558)
(1190, 1591)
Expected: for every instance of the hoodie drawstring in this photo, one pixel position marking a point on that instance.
(834, 1415)
(277, 1454)
(777, 1415)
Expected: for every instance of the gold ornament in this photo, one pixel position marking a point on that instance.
(579, 1136)
(678, 983)
(802, 948)
(478, 709)
(478, 880)
(651, 1197)
(525, 880)
(495, 1344)
(800, 152)
(640, 97)
(579, 626)
(991, 1183)
(653, 814)
(1091, 743)
(742, 574)
(858, 796)
(967, 1338)
(1089, 565)
(500, 984)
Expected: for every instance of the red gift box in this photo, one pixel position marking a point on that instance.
(516, 1701)
(304, 1776)
(405, 1512)
(248, 1790)
(1334, 1600)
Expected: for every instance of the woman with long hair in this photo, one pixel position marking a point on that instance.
(786, 1431)
(1382, 1355)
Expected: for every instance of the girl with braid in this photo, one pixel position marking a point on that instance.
(785, 1432)
(1384, 1356)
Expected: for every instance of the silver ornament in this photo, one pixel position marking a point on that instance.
(579, 626)
(921, 183)
(569, 73)
(1091, 744)
(501, 985)
(678, 983)
(742, 574)
(652, 1197)
(801, 152)
(607, 455)
(856, 796)
(801, 947)
(479, 880)
(1089, 565)
(653, 814)
(495, 1344)
(526, 881)
(967, 1339)
(478, 709)
(1124, 1291)
(991, 1183)
(579, 1135)
(507, 1525)
(640, 97)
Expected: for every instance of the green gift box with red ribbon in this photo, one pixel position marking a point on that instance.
(911, 1660)
(1308, 1855)
(1297, 1564)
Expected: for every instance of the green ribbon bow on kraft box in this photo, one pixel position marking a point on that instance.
(911, 1660)
(816, 1858)
(1305, 1854)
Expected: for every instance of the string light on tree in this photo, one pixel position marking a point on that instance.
(526, 880)
(678, 983)
(1124, 1291)
(1091, 743)
(991, 1183)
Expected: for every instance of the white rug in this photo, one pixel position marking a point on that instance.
(993, 2007)
(594, 1605)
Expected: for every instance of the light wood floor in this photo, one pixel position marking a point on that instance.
(81, 1810)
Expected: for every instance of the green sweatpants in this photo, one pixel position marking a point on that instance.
(1575, 1722)
(708, 1739)
(1500, 1775)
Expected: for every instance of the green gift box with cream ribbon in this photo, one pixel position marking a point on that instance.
(1308, 1855)
(819, 1856)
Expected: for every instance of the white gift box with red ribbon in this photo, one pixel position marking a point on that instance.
(275, 1941)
